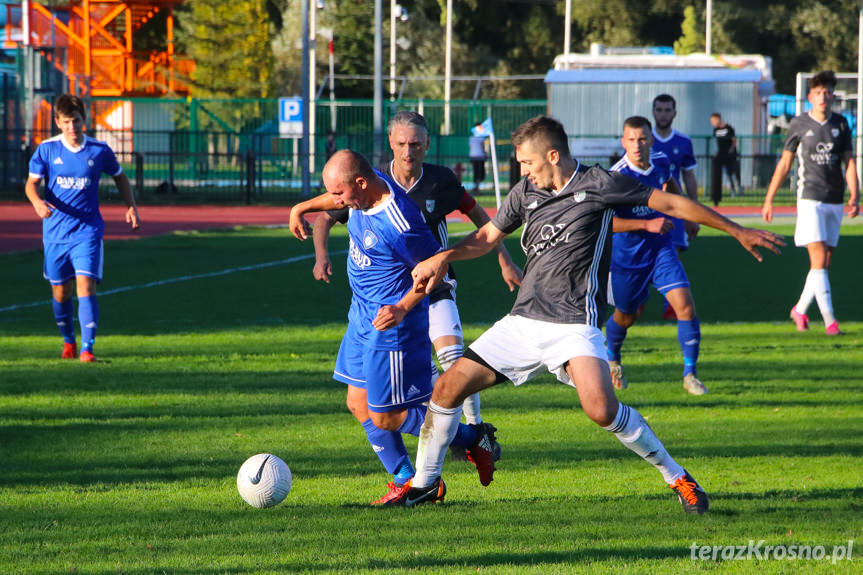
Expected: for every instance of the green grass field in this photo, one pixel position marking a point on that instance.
(129, 465)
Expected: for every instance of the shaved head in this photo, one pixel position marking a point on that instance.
(345, 166)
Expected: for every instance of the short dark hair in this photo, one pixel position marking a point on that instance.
(67, 105)
(825, 78)
(665, 98)
(543, 128)
(407, 118)
(716, 115)
(636, 122)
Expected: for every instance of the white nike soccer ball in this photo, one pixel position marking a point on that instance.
(264, 480)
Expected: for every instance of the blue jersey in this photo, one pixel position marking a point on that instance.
(72, 187)
(637, 250)
(386, 242)
(678, 148)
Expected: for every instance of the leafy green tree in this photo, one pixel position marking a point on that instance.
(230, 43)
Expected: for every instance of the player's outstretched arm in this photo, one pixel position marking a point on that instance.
(125, 189)
(779, 175)
(851, 180)
(686, 209)
(653, 225)
(510, 272)
(323, 269)
(298, 224)
(31, 189)
(428, 273)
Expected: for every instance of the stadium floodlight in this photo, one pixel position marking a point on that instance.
(397, 11)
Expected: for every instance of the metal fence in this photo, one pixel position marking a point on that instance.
(230, 150)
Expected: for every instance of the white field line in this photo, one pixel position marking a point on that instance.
(180, 279)
(192, 277)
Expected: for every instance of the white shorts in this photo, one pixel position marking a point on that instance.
(522, 348)
(444, 320)
(817, 222)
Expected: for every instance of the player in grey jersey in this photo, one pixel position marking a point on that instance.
(822, 141)
(437, 192)
(566, 211)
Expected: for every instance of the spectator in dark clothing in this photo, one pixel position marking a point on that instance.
(726, 158)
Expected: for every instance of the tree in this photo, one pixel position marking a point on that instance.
(230, 43)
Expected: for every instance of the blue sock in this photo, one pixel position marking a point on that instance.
(88, 317)
(465, 436)
(689, 337)
(404, 473)
(614, 336)
(388, 446)
(63, 314)
(413, 421)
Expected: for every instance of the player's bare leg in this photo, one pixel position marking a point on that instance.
(464, 378)
(448, 349)
(593, 383)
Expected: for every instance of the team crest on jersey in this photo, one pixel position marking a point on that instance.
(430, 205)
(579, 196)
(369, 239)
(90, 163)
(835, 132)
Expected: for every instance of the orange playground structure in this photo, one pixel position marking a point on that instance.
(93, 43)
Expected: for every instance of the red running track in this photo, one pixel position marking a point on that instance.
(21, 229)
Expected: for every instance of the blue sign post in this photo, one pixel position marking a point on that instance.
(291, 117)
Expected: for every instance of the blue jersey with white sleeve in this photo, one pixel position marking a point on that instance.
(386, 242)
(71, 178)
(638, 249)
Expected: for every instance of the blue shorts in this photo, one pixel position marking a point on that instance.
(65, 261)
(679, 239)
(393, 378)
(629, 288)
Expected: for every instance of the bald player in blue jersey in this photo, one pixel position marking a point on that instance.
(71, 164)
(385, 355)
(643, 254)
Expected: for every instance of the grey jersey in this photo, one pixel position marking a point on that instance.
(567, 240)
(819, 149)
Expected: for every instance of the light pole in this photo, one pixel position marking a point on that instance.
(396, 11)
(447, 67)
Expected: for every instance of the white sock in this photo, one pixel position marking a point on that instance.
(807, 295)
(471, 410)
(437, 433)
(447, 357)
(632, 431)
(821, 284)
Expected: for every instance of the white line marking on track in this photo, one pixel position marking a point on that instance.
(179, 279)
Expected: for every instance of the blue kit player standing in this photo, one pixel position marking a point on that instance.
(72, 226)
(821, 139)
(437, 192)
(678, 148)
(385, 355)
(642, 255)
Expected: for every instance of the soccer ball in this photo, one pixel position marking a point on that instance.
(264, 480)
